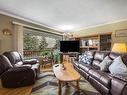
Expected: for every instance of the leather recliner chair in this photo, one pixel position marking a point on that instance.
(16, 72)
(12, 77)
(17, 60)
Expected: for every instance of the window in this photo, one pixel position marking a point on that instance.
(35, 42)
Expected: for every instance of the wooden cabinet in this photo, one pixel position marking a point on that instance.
(105, 42)
(101, 42)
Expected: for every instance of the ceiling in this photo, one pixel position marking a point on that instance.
(67, 15)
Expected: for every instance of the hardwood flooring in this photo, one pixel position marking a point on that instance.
(16, 91)
(47, 68)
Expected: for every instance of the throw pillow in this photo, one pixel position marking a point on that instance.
(118, 67)
(81, 57)
(104, 65)
(85, 58)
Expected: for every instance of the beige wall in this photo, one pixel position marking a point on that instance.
(7, 42)
(104, 29)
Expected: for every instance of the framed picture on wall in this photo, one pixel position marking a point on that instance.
(121, 33)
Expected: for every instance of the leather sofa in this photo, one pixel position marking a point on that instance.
(16, 72)
(104, 82)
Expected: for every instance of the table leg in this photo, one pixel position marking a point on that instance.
(59, 88)
(66, 84)
(77, 82)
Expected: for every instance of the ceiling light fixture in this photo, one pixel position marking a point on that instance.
(66, 27)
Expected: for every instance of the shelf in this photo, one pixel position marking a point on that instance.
(93, 36)
(105, 43)
(88, 46)
(89, 36)
(99, 41)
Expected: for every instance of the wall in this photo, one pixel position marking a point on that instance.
(104, 29)
(7, 42)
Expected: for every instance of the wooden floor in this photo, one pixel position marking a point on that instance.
(21, 90)
(16, 91)
(47, 68)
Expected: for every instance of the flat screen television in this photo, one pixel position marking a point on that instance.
(69, 46)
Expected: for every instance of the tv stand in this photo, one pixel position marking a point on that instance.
(68, 56)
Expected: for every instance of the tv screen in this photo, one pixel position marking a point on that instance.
(69, 46)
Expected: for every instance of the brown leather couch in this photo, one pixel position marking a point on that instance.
(104, 82)
(16, 72)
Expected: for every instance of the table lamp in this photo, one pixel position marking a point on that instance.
(119, 47)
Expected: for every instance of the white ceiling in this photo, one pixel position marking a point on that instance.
(67, 15)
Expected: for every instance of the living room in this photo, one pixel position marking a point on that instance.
(63, 47)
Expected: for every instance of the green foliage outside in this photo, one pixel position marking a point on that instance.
(42, 44)
(30, 42)
(34, 42)
(38, 43)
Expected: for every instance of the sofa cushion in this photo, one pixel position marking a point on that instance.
(95, 67)
(96, 62)
(104, 65)
(85, 67)
(13, 56)
(118, 67)
(105, 79)
(114, 55)
(95, 74)
(98, 57)
(101, 77)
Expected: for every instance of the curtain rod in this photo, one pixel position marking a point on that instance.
(29, 26)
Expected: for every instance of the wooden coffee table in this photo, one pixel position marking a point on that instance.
(67, 75)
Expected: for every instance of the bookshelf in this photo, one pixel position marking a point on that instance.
(101, 42)
(89, 47)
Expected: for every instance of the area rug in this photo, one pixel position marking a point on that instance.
(47, 85)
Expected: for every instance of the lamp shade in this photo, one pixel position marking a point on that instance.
(119, 47)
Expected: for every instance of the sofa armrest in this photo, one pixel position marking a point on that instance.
(30, 61)
(76, 59)
(118, 86)
(18, 77)
(122, 77)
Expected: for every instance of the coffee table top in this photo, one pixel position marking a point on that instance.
(68, 74)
